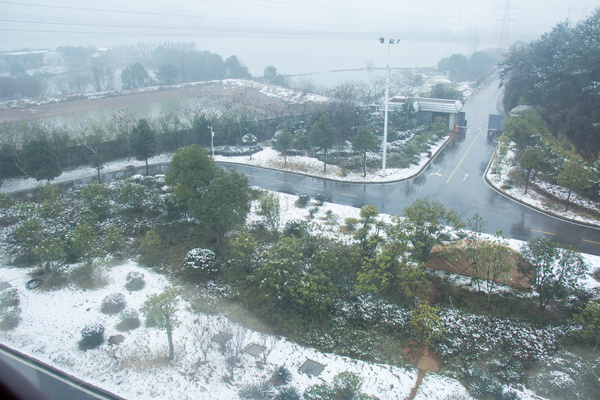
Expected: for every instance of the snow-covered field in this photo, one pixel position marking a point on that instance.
(51, 322)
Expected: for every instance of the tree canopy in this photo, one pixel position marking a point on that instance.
(219, 200)
(559, 72)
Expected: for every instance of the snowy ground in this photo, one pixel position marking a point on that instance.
(499, 175)
(51, 322)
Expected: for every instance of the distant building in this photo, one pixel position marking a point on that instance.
(429, 109)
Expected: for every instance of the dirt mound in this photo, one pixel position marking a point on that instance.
(459, 263)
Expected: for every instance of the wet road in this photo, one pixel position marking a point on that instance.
(454, 178)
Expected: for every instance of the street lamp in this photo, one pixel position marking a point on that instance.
(212, 147)
(387, 96)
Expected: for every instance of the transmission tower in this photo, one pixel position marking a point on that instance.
(505, 33)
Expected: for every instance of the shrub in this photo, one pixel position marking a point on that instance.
(303, 200)
(113, 303)
(9, 317)
(202, 263)
(135, 281)
(295, 227)
(288, 393)
(130, 319)
(281, 376)
(320, 198)
(9, 298)
(351, 223)
(261, 390)
(92, 336)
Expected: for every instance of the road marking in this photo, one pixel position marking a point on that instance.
(436, 173)
(314, 188)
(547, 233)
(466, 176)
(252, 176)
(590, 241)
(282, 181)
(463, 157)
(351, 195)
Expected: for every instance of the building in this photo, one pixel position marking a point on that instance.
(429, 109)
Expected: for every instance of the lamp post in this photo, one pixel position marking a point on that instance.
(212, 137)
(387, 96)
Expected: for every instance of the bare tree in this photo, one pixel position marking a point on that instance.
(268, 342)
(203, 335)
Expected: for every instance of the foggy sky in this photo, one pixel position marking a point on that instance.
(47, 24)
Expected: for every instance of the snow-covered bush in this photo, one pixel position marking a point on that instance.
(130, 319)
(201, 262)
(249, 139)
(9, 317)
(9, 298)
(92, 336)
(303, 200)
(320, 198)
(135, 281)
(113, 303)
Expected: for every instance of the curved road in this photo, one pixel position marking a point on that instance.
(455, 178)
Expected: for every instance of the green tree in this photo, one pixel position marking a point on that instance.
(531, 161)
(82, 244)
(225, 204)
(474, 245)
(426, 321)
(39, 161)
(427, 224)
(440, 127)
(553, 271)
(191, 172)
(271, 75)
(235, 69)
(282, 142)
(96, 198)
(364, 141)
(161, 310)
(322, 136)
(457, 66)
(494, 266)
(51, 252)
(132, 195)
(589, 319)
(135, 76)
(167, 74)
(270, 209)
(575, 177)
(368, 233)
(217, 199)
(152, 249)
(446, 91)
(143, 141)
(346, 386)
(240, 252)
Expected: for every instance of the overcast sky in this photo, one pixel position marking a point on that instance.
(48, 24)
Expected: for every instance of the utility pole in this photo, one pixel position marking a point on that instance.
(387, 96)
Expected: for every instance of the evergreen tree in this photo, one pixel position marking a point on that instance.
(39, 161)
(322, 136)
(143, 141)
